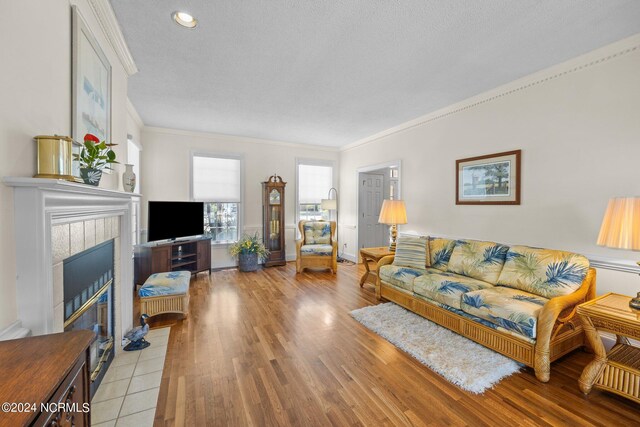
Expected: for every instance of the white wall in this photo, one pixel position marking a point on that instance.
(166, 174)
(35, 86)
(580, 138)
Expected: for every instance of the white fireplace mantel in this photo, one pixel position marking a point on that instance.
(39, 206)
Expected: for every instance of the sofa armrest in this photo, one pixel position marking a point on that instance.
(552, 309)
(383, 261)
(549, 315)
(299, 244)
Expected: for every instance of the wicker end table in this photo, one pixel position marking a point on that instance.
(619, 370)
(372, 255)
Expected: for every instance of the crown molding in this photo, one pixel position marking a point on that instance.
(243, 139)
(580, 63)
(134, 114)
(107, 18)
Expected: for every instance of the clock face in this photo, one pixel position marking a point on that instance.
(274, 197)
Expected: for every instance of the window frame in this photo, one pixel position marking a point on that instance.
(217, 155)
(312, 162)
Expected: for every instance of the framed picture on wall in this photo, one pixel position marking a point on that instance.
(90, 86)
(493, 179)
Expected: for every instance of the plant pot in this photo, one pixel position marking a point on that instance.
(91, 176)
(129, 179)
(248, 262)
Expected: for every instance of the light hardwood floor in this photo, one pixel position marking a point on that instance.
(276, 348)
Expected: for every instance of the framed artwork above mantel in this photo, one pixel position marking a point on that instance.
(90, 86)
(492, 179)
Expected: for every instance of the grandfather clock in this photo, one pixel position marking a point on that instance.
(273, 218)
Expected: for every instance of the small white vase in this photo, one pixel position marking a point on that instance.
(129, 179)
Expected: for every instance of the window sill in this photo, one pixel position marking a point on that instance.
(222, 244)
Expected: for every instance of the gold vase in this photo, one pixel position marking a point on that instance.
(55, 159)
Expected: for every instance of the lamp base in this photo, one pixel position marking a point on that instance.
(635, 302)
(393, 232)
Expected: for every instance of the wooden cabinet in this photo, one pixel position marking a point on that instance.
(190, 255)
(273, 220)
(204, 255)
(51, 374)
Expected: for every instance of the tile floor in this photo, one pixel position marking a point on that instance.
(128, 393)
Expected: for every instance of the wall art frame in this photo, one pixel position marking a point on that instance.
(492, 179)
(90, 86)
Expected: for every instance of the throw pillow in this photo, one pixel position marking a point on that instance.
(411, 251)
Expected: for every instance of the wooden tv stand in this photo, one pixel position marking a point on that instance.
(192, 255)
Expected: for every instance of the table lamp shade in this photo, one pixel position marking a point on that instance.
(393, 212)
(621, 224)
(329, 204)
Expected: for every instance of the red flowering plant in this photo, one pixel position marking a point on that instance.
(95, 154)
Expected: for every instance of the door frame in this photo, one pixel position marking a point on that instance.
(390, 164)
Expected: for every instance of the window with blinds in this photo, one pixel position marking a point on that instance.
(314, 183)
(217, 181)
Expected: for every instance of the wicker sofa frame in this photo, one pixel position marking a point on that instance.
(161, 304)
(559, 330)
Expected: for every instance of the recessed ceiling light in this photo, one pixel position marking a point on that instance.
(185, 20)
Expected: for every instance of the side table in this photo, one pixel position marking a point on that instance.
(619, 370)
(372, 255)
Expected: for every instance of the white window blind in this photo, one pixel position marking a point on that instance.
(314, 183)
(216, 179)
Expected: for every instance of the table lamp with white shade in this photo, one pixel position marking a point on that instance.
(620, 229)
(393, 212)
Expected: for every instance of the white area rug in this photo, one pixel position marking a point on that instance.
(462, 362)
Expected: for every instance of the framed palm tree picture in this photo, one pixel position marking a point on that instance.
(493, 179)
(90, 87)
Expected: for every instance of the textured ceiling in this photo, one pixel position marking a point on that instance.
(333, 72)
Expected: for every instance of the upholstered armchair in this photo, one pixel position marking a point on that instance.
(318, 246)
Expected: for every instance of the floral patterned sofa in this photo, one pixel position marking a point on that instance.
(318, 246)
(517, 300)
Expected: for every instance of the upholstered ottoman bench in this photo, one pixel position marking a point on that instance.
(165, 293)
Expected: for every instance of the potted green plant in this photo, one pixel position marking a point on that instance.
(248, 251)
(94, 157)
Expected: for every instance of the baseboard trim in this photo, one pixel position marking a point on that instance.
(14, 331)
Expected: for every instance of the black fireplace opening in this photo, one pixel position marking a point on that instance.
(89, 303)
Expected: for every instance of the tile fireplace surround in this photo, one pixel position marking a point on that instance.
(57, 219)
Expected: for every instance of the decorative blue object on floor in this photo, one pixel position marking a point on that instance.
(137, 334)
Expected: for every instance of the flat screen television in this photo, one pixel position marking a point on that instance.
(174, 220)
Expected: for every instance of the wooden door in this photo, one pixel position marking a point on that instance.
(371, 191)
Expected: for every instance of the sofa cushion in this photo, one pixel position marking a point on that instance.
(480, 260)
(475, 319)
(545, 272)
(509, 308)
(411, 251)
(399, 276)
(317, 233)
(440, 252)
(170, 283)
(316, 250)
(446, 288)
